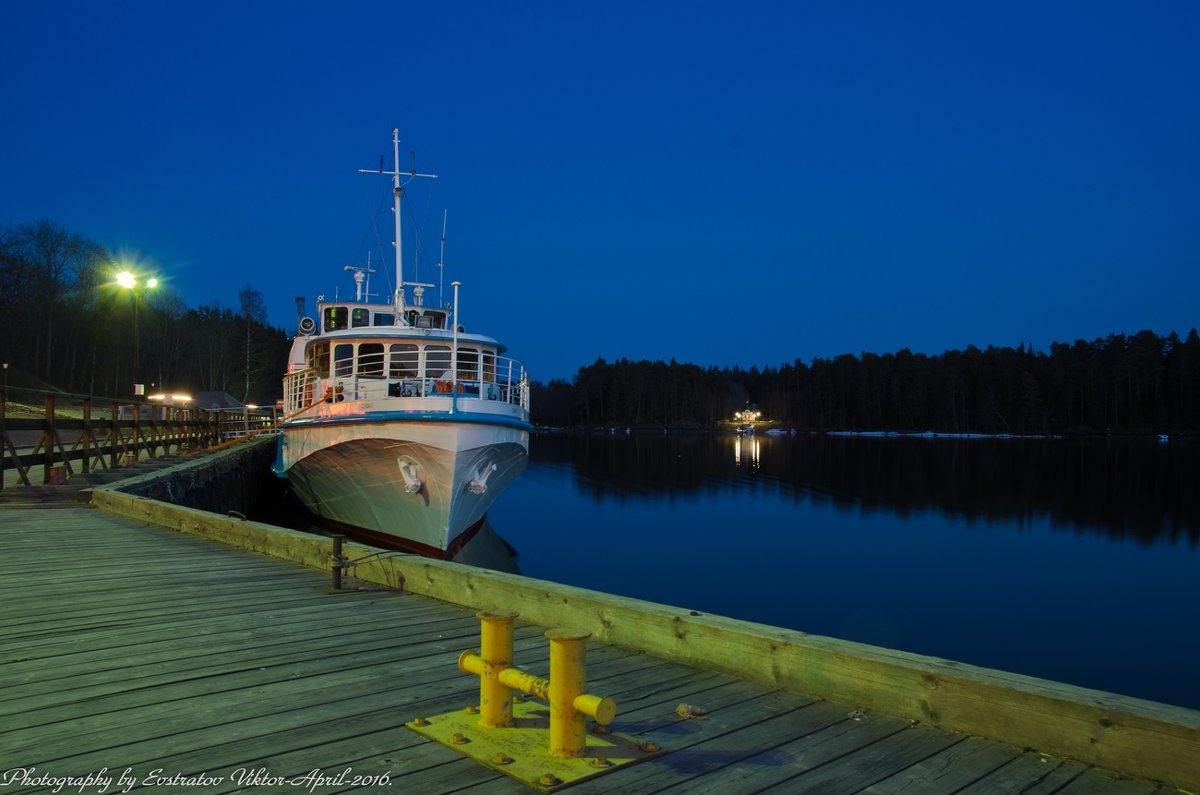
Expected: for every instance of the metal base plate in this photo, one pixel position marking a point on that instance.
(522, 750)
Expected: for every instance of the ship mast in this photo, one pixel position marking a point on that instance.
(397, 193)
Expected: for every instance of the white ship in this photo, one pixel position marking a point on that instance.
(400, 428)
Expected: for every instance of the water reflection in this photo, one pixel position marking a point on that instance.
(1120, 488)
(948, 547)
(753, 446)
(485, 549)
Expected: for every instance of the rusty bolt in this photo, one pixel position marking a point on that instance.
(420, 722)
(600, 762)
(471, 709)
(549, 780)
(458, 738)
(649, 746)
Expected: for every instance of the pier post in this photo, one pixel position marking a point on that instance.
(339, 561)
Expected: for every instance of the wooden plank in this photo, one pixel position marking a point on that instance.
(288, 683)
(90, 685)
(1026, 773)
(870, 764)
(731, 732)
(1093, 780)
(949, 770)
(143, 734)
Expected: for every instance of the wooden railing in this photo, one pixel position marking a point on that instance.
(63, 433)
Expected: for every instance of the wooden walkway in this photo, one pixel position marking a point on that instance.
(131, 649)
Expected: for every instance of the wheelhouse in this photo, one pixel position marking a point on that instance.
(371, 352)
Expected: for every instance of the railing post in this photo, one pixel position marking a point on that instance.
(114, 434)
(137, 429)
(48, 439)
(3, 429)
(87, 435)
(339, 561)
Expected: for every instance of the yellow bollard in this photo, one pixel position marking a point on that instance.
(568, 703)
(513, 737)
(496, 650)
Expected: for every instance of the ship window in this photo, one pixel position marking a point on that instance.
(468, 364)
(403, 361)
(437, 360)
(385, 319)
(437, 319)
(318, 359)
(489, 365)
(370, 360)
(335, 318)
(343, 360)
(424, 321)
(360, 317)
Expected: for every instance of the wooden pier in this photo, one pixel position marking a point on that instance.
(47, 437)
(193, 666)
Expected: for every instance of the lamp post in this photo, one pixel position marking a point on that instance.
(130, 282)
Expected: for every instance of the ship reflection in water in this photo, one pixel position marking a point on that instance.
(485, 549)
(488, 550)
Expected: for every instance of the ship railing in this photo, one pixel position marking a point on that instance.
(495, 379)
(300, 390)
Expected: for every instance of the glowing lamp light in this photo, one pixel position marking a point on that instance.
(175, 398)
(129, 281)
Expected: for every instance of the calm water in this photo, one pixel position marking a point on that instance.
(1073, 560)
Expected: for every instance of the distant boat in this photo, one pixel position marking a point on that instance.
(400, 428)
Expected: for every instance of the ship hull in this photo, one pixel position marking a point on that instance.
(362, 477)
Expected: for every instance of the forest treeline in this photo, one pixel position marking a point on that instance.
(66, 323)
(1121, 384)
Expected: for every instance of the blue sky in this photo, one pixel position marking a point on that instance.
(723, 183)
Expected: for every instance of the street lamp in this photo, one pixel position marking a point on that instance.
(128, 281)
